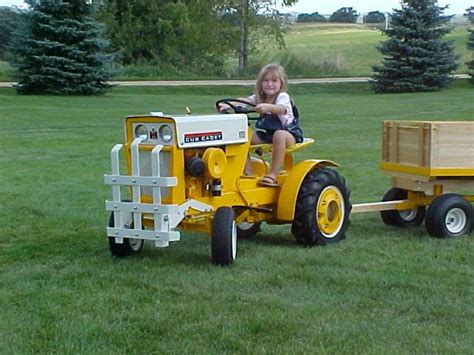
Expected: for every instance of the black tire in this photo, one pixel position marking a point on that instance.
(224, 237)
(322, 208)
(247, 230)
(407, 218)
(129, 246)
(449, 216)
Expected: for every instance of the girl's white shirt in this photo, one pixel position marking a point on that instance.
(282, 99)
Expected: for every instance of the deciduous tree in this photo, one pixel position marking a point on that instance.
(470, 42)
(314, 17)
(374, 17)
(344, 14)
(10, 21)
(185, 35)
(254, 17)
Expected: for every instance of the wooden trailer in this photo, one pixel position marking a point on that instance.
(431, 164)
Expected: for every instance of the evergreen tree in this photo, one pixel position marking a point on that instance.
(470, 43)
(415, 56)
(60, 50)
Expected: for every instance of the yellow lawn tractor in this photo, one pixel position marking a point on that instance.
(186, 173)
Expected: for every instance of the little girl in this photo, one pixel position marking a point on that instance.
(278, 122)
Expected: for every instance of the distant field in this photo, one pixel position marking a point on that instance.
(313, 50)
(383, 290)
(343, 49)
(6, 71)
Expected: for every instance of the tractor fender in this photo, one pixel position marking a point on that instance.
(289, 191)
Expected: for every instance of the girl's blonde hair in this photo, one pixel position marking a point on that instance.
(277, 71)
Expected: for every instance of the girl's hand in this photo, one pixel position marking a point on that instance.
(271, 108)
(223, 107)
(263, 108)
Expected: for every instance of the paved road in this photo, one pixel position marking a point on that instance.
(234, 82)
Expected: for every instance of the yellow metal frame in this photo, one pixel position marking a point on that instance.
(252, 202)
(417, 170)
(414, 199)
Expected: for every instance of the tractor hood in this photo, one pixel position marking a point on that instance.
(211, 130)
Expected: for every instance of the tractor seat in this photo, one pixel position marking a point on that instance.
(267, 147)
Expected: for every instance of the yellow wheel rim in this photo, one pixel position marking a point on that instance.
(330, 211)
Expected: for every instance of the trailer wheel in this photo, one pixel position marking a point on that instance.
(406, 218)
(322, 208)
(449, 216)
(129, 246)
(224, 237)
(247, 230)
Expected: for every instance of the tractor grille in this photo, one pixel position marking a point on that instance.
(145, 170)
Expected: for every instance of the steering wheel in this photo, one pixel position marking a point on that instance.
(245, 107)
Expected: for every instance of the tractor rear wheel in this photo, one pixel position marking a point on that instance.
(129, 246)
(449, 216)
(224, 237)
(322, 208)
(406, 218)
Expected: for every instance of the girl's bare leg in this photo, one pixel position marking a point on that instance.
(281, 140)
(248, 164)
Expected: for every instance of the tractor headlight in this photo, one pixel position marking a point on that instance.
(141, 130)
(166, 133)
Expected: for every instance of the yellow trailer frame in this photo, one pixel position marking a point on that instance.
(426, 161)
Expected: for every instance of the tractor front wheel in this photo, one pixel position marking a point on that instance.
(224, 237)
(129, 246)
(449, 216)
(406, 218)
(322, 208)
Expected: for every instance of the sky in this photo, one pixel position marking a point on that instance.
(364, 6)
(328, 7)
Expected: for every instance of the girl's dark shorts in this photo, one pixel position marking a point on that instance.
(267, 136)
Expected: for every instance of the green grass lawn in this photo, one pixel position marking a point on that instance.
(382, 290)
